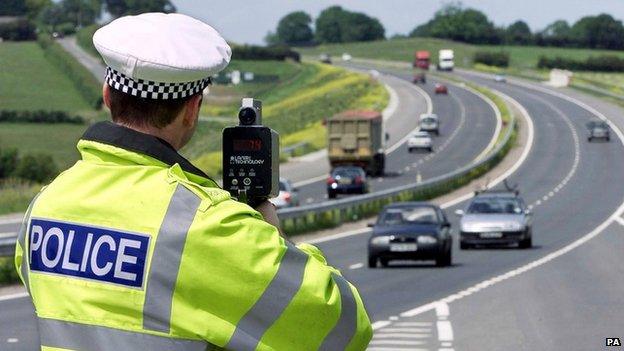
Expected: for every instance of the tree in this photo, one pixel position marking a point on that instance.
(336, 25)
(78, 13)
(598, 32)
(295, 29)
(518, 33)
(13, 7)
(118, 8)
(456, 23)
(557, 33)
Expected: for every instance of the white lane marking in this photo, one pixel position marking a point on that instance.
(396, 342)
(429, 103)
(338, 236)
(7, 235)
(446, 349)
(523, 156)
(442, 310)
(393, 102)
(577, 147)
(12, 340)
(380, 324)
(356, 266)
(11, 221)
(497, 113)
(394, 318)
(619, 220)
(445, 331)
(13, 296)
(413, 324)
(384, 335)
(310, 181)
(402, 330)
(309, 200)
(447, 344)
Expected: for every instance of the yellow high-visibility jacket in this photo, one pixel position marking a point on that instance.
(133, 248)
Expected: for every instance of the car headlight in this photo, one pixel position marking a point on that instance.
(380, 240)
(427, 239)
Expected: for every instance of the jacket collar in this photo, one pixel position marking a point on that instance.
(122, 137)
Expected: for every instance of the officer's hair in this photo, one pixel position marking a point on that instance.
(131, 110)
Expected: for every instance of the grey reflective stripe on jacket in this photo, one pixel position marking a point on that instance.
(21, 239)
(340, 337)
(272, 303)
(165, 261)
(84, 337)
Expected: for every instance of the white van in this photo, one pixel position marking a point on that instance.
(445, 60)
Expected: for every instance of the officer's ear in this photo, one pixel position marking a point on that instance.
(106, 95)
(191, 110)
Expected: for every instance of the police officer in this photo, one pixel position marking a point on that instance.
(134, 248)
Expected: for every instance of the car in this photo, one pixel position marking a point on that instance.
(346, 57)
(441, 89)
(495, 218)
(410, 231)
(347, 180)
(288, 195)
(419, 78)
(419, 140)
(325, 58)
(500, 78)
(598, 129)
(429, 122)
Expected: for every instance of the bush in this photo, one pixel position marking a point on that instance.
(253, 52)
(8, 162)
(491, 58)
(38, 168)
(39, 117)
(18, 30)
(65, 28)
(8, 273)
(594, 63)
(88, 86)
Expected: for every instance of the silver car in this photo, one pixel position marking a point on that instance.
(429, 122)
(495, 218)
(598, 130)
(288, 195)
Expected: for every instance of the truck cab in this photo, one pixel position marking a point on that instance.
(421, 60)
(445, 60)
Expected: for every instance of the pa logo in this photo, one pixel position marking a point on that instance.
(613, 342)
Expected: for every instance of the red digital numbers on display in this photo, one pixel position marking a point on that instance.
(247, 145)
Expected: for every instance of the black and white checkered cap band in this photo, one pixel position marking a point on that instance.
(153, 90)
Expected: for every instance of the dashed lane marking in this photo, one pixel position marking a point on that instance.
(619, 220)
(356, 266)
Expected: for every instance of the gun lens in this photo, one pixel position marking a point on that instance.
(247, 116)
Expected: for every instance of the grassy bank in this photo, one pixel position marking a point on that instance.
(295, 107)
(522, 57)
(28, 81)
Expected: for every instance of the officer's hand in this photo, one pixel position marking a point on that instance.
(269, 212)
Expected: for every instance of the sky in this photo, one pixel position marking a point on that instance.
(248, 21)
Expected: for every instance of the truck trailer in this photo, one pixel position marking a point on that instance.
(356, 138)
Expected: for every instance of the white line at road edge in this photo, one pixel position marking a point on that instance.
(551, 256)
(13, 296)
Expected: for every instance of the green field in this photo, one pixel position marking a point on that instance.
(29, 82)
(403, 50)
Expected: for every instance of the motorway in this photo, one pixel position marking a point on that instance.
(573, 187)
(562, 294)
(467, 123)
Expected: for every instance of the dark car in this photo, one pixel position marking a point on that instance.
(410, 231)
(347, 180)
(441, 89)
(419, 78)
(598, 129)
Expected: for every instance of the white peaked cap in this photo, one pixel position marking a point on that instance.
(161, 56)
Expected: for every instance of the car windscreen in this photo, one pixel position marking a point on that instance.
(495, 205)
(428, 120)
(411, 215)
(347, 172)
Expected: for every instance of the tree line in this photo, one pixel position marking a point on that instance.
(468, 25)
(66, 16)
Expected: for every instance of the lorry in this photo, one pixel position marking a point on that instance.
(421, 60)
(445, 60)
(356, 138)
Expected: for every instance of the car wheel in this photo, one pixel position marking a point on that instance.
(526, 243)
(372, 262)
(589, 139)
(445, 259)
(464, 246)
(608, 138)
(331, 195)
(431, 149)
(384, 262)
(410, 150)
(437, 132)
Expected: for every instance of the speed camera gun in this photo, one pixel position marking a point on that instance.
(251, 156)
